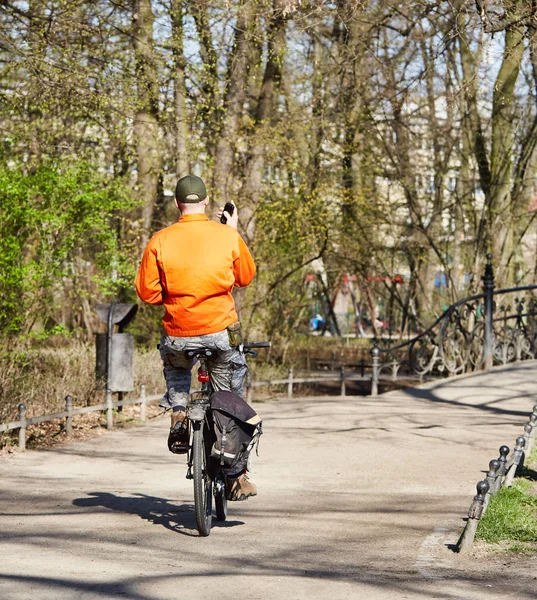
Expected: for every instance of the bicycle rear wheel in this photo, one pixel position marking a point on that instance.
(202, 482)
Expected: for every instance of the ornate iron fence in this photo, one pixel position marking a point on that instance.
(495, 327)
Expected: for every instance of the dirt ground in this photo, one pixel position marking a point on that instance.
(359, 497)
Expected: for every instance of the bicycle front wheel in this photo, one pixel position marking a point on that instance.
(202, 482)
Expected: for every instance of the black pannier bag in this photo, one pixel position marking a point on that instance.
(237, 428)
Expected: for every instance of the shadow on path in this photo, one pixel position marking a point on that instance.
(429, 395)
(159, 511)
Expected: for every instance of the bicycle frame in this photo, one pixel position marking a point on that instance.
(202, 468)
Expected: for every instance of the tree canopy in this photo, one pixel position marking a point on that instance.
(379, 148)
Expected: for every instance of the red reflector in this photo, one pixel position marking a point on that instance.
(203, 376)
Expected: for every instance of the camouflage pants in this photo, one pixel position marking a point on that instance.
(227, 367)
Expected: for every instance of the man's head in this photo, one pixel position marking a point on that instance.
(191, 195)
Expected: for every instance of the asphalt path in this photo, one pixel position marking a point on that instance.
(359, 497)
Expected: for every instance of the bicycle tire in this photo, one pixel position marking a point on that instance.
(220, 501)
(202, 483)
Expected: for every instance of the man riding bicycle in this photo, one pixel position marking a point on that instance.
(191, 268)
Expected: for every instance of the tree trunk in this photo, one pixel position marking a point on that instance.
(237, 78)
(146, 117)
(255, 162)
(182, 163)
(353, 45)
(495, 170)
(318, 105)
(500, 231)
(209, 103)
(36, 57)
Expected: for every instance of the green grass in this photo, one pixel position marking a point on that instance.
(522, 548)
(512, 517)
(532, 458)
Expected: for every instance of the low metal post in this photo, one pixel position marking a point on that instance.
(22, 430)
(69, 419)
(492, 475)
(474, 514)
(528, 438)
(109, 401)
(504, 451)
(290, 383)
(488, 287)
(533, 423)
(143, 403)
(518, 453)
(109, 410)
(518, 346)
(362, 368)
(375, 353)
(342, 378)
(395, 369)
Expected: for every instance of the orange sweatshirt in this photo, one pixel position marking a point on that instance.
(191, 267)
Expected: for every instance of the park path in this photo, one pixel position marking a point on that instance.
(359, 497)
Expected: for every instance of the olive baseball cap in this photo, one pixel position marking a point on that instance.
(190, 190)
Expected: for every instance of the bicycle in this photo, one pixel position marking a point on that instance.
(207, 474)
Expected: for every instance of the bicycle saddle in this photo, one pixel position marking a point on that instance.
(197, 352)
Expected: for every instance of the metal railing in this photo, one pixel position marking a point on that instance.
(342, 377)
(69, 412)
(24, 422)
(493, 328)
(472, 334)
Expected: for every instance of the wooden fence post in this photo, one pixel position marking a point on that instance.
(342, 375)
(143, 403)
(69, 419)
(22, 430)
(290, 384)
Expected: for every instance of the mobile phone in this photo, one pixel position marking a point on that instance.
(229, 208)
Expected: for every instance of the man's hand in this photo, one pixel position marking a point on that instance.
(232, 220)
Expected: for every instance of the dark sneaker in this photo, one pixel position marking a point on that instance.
(178, 438)
(241, 488)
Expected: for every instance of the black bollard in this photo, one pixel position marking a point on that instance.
(528, 438)
(474, 514)
(504, 451)
(492, 475)
(516, 460)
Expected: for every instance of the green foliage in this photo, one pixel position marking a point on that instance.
(293, 226)
(53, 221)
(292, 231)
(511, 515)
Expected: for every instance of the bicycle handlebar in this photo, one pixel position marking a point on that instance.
(248, 345)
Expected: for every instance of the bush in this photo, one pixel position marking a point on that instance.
(41, 376)
(60, 241)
